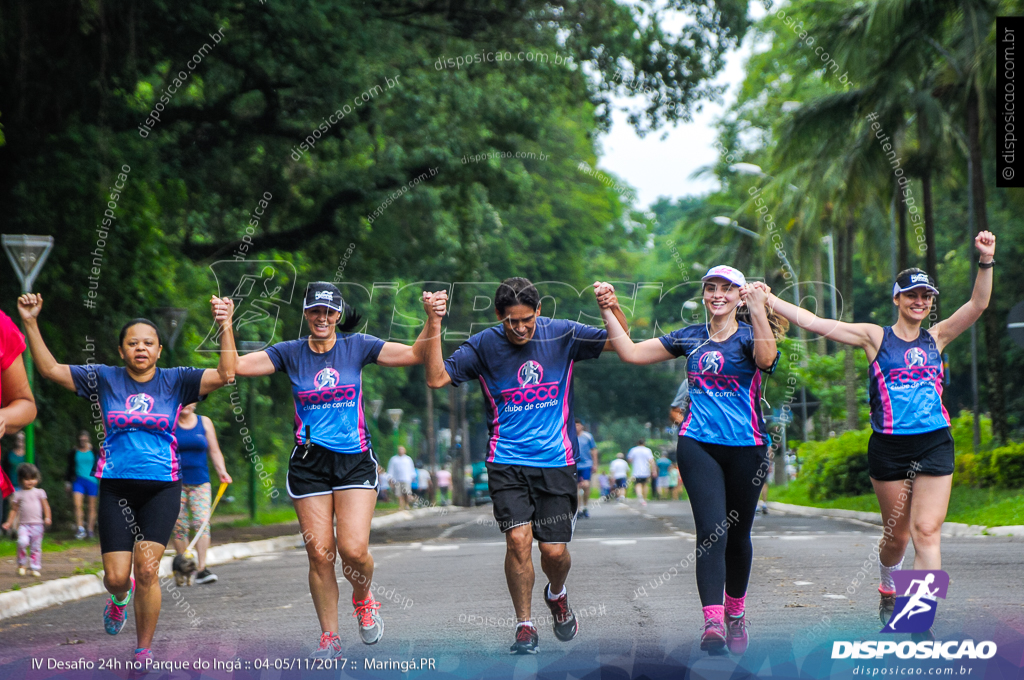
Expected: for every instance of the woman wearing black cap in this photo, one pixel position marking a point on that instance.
(911, 449)
(332, 472)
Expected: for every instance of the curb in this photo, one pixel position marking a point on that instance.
(948, 528)
(58, 591)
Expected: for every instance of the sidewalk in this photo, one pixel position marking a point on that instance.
(35, 594)
(948, 528)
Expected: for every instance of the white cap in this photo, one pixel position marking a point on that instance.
(726, 272)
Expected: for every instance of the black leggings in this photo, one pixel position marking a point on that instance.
(723, 483)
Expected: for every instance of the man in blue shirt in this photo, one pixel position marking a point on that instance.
(585, 466)
(525, 366)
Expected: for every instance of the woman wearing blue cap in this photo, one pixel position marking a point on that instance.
(910, 452)
(723, 444)
(332, 472)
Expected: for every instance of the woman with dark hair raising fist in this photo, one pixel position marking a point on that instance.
(910, 452)
(139, 469)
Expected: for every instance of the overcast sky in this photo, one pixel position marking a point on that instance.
(657, 167)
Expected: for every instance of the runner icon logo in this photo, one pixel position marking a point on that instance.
(530, 373)
(139, 403)
(914, 357)
(915, 609)
(326, 378)
(711, 362)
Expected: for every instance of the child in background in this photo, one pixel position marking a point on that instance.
(605, 483)
(33, 512)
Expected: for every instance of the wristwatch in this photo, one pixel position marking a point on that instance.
(986, 265)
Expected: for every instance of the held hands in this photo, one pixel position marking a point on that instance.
(985, 242)
(754, 295)
(222, 308)
(605, 292)
(435, 304)
(29, 306)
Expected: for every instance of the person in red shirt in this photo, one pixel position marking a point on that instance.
(17, 405)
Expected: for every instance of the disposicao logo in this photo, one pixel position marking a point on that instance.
(915, 609)
(915, 613)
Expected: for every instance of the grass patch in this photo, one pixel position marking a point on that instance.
(988, 507)
(9, 547)
(263, 518)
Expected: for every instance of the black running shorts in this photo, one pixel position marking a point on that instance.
(542, 496)
(132, 510)
(320, 471)
(892, 457)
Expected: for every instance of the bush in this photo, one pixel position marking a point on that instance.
(962, 429)
(1008, 466)
(836, 467)
(974, 469)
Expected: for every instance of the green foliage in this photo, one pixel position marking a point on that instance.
(962, 428)
(836, 467)
(1002, 467)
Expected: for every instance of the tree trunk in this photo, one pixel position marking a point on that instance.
(458, 476)
(428, 415)
(931, 263)
(850, 377)
(467, 459)
(819, 294)
(903, 256)
(993, 349)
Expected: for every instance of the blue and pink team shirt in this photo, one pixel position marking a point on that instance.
(725, 386)
(328, 389)
(139, 418)
(528, 389)
(905, 386)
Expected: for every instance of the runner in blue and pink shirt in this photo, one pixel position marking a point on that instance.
(332, 471)
(910, 452)
(723, 446)
(139, 469)
(525, 366)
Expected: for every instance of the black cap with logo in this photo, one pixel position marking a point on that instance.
(914, 278)
(323, 294)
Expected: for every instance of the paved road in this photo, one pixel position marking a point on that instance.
(444, 595)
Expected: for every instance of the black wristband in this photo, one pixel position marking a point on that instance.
(986, 265)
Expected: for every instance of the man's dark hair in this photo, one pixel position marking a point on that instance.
(516, 291)
(640, 442)
(579, 422)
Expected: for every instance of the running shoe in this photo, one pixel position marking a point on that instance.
(564, 622)
(886, 605)
(36, 572)
(206, 576)
(330, 647)
(371, 625)
(526, 640)
(736, 633)
(80, 534)
(116, 615)
(22, 571)
(764, 509)
(712, 640)
(586, 513)
(142, 655)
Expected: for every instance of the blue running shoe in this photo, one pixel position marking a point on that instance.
(116, 615)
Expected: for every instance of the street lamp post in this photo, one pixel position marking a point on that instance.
(27, 254)
(172, 321)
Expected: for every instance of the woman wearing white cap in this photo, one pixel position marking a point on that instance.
(723, 444)
(911, 449)
(332, 472)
